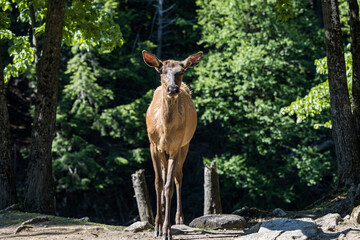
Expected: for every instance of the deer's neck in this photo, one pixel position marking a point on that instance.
(170, 109)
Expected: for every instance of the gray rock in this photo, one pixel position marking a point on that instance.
(329, 221)
(306, 225)
(85, 219)
(183, 229)
(254, 229)
(227, 221)
(278, 212)
(138, 226)
(250, 212)
(355, 215)
(284, 229)
(295, 234)
(270, 235)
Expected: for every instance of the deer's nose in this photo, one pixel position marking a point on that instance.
(172, 89)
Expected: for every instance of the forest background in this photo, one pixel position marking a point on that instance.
(260, 90)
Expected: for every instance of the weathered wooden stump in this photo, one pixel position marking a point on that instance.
(142, 196)
(212, 201)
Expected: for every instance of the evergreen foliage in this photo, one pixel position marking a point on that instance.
(101, 137)
(254, 67)
(257, 61)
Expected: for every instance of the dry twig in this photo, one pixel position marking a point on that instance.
(31, 221)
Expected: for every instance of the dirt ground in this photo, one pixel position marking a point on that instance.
(84, 232)
(57, 228)
(97, 232)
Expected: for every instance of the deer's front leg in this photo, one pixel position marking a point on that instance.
(169, 190)
(179, 218)
(156, 157)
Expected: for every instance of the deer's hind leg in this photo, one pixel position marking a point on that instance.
(157, 159)
(179, 217)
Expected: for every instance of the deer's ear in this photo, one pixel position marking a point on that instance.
(151, 60)
(192, 60)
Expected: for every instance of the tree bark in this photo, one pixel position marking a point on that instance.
(353, 16)
(142, 197)
(212, 200)
(7, 176)
(34, 41)
(343, 126)
(39, 192)
(160, 28)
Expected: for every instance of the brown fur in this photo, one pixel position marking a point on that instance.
(171, 122)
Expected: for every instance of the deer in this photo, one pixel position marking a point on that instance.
(171, 120)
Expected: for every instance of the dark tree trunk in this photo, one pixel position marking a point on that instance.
(160, 28)
(142, 197)
(39, 193)
(7, 176)
(316, 6)
(353, 12)
(34, 41)
(343, 126)
(212, 200)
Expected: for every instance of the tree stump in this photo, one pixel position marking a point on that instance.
(212, 201)
(142, 196)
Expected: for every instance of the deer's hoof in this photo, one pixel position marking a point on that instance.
(157, 232)
(179, 219)
(167, 234)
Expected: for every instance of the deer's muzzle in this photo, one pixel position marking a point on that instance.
(172, 90)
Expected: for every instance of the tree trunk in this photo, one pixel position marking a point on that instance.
(316, 5)
(39, 192)
(142, 197)
(353, 12)
(212, 200)
(7, 176)
(160, 28)
(343, 126)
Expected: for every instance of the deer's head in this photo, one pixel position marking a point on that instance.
(171, 71)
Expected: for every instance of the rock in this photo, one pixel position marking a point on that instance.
(342, 236)
(284, 229)
(329, 221)
(347, 217)
(307, 225)
(270, 235)
(278, 212)
(355, 214)
(350, 234)
(250, 212)
(241, 211)
(295, 234)
(85, 219)
(301, 228)
(138, 226)
(227, 221)
(183, 229)
(254, 229)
